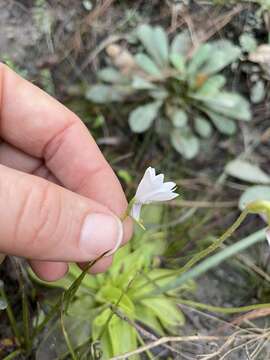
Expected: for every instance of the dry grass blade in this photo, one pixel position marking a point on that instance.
(162, 341)
(245, 338)
(252, 315)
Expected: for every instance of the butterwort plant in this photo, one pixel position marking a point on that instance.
(108, 307)
(174, 88)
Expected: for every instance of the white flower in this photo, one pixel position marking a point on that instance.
(151, 189)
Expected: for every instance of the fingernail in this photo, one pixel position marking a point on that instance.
(101, 233)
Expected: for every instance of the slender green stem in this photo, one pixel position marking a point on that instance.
(140, 340)
(10, 315)
(127, 212)
(66, 336)
(213, 261)
(13, 355)
(77, 348)
(49, 316)
(68, 295)
(26, 328)
(216, 244)
(223, 310)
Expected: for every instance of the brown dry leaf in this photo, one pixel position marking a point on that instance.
(2, 258)
(251, 315)
(121, 58)
(262, 57)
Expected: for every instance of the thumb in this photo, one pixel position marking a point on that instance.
(40, 220)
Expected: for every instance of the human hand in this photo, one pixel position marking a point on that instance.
(59, 198)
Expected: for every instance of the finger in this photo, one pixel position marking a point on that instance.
(37, 124)
(43, 221)
(49, 271)
(16, 159)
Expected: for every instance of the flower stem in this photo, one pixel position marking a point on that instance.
(129, 207)
(216, 259)
(10, 315)
(216, 244)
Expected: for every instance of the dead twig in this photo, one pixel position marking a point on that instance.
(166, 339)
(98, 11)
(215, 26)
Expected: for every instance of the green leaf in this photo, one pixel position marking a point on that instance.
(254, 193)
(165, 310)
(178, 61)
(257, 92)
(232, 105)
(185, 142)
(143, 116)
(199, 58)
(139, 83)
(111, 75)
(147, 65)
(248, 42)
(223, 53)
(202, 127)
(144, 285)
(99, 322)
(243, 170)
(224, 125)
(123, 336)
(161, 44)
(211, 86)
(155, 42)
(103, 93)
(159, 93)
(111, 294)
(181, 43)
(98, 328)
(83, 305)
(148, 318)
(179, 118)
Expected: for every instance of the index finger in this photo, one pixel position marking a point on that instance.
(39, 125)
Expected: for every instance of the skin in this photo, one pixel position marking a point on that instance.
(48, 160)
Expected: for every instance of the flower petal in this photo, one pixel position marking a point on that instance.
(145, 185)
(152, 188)
(159, 179)
(152, 172)
(169, 185)
(158, 195)
(164, 196)
(136, 211)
